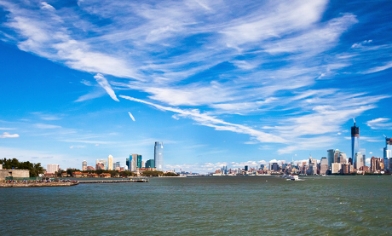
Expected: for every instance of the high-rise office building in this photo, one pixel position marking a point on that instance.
(376, 165)
(135, 160)
(336, 156)
(354, 141)
(323, 166)
(158, 155)
(110, 162)
(312, 170)
(359, 160)
(331, 155)
(139, 161)
(387, 154)
(150, 163)
(84, 165)
(343, 158)
(127, 163)
(52, 168)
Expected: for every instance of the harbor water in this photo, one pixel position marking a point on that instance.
(331, 205)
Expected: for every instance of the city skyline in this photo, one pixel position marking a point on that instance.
(219, 83)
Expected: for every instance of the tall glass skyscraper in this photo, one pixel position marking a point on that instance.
(354, 141)
(158, 155)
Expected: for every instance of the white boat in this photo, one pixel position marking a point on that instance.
(294, 178)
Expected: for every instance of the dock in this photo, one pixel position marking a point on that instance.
(100, 181)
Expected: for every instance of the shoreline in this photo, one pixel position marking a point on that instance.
(28, 185)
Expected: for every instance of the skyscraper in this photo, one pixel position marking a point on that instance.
(331, 154)
(158, 155)
(323, 166)
(110, 162)
(84, 165)
(354, 141)
(387, 153)
(359, 160)
(127, 162)
(139, 161)
(134, 161)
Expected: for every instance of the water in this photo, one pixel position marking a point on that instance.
(335, 205)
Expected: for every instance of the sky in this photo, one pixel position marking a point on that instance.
(220, 83)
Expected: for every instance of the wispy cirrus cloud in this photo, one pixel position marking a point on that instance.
(47, 126)
(214, 122)
(105, 85)
(379, 123)
(282, 62)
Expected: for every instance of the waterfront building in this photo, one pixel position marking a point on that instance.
(90, 168)
(84, 165)
(354, 140)
(387, 154)
(150, 163)
(100, 164)
(139, 161)
(323, 166)
(158, 155)
(390, 164)
(336, 167)
(110, 162)
(312, 169)
(336, 156)
(345, 168)
(52, 168)
(116, 166)
(135, 162)
(343, 158)
(376, 165)
(359, 160)
(331, 156)
(246, 168)
(127, 163)
(274, 167)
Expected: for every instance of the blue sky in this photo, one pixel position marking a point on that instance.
(218, 82)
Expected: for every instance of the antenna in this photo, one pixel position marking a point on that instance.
(354, 121)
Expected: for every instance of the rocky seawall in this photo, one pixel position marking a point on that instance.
(37, 184)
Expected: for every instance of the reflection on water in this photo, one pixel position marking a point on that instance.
(354, 205)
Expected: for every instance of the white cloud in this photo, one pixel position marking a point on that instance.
(274, 55)
(49, 117)
(92, 95)
(130, 115)
(46, 6)
(8, 135)
(213, 122)
(77, 146)
(376, 69)
(379, 123)
(358, 45)
(105, 85)
(47, 126)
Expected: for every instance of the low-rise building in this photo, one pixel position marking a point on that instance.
(14, 173)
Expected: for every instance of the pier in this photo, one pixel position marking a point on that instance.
(98, 181)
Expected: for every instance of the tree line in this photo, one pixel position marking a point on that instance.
(34, 168)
